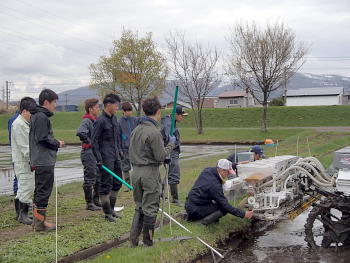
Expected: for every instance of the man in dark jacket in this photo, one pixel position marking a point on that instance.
(42, 151)
(233, 158)
(126, 123)
(199, 204)
(147, 153)
(174, 166)
(107, 151)
(91, 174)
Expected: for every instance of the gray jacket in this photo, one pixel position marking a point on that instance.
(165, 131)
(42, 144)
(125, 128)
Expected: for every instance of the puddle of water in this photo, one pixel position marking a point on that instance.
(283, 242)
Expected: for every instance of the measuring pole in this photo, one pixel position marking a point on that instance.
(167, 165)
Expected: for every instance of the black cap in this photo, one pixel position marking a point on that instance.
(179, 111)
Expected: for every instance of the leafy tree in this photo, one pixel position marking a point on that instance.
(263, 59)
(134, 69)
(194, 70)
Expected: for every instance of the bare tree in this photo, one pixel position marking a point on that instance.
(193, 68)
(134, 69)
(263, 60)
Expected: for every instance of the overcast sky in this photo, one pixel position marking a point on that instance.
(52, 43)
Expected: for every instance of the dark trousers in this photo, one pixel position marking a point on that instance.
(174, 171)
(108, 182)
(44, 179)
(196, 212)
(91, 172)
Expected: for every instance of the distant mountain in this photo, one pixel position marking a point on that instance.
(298, 81)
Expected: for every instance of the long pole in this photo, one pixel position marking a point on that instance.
(7, 95)
(117, 177)
(172, 219)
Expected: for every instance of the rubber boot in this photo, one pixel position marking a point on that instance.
(148, 230)
(113, 196)
(127, 179)
(174, 195)
(96, 196)
(23, 214)
(88, 198)
(17, 208)
(106, 207)
(39, 220)
(135, 231)
(214, 217)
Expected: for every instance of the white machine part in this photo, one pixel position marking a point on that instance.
(342, 182)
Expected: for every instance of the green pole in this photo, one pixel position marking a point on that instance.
(117, 177)
(174, 111)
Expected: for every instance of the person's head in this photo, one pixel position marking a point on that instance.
(47, 99)
(24, 107)
(179, 114)
(151, 107)
(224, 168)
(126, 109)
(111, 102)
(91, 107)
(258, 152)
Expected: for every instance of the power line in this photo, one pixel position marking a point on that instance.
(46, 46)
(42, 53)
(49, 42)
(63, 18)
(52, 30)
(55, 25)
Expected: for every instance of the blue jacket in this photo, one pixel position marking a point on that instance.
(208, 188)
(126, 126)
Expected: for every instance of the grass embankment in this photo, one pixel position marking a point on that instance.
(79, 229)
(66, 123)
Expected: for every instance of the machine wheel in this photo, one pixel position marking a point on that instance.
(327, 223)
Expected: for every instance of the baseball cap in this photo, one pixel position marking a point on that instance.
(259, 150)
(180, 111)
(226, 165)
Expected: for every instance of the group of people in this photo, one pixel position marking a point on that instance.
(117, 145)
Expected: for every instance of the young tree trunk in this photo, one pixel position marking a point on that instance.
(263, 121)
(200, 124)
(195, 119)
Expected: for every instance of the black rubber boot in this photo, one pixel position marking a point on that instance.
(106, 206)
(96, 196)
(23, 214)
(127, 179)
(214, 217)
(148, 230)
(39, 220)
(17, 208)
(135, 230)
(88, 198)
(174, 195)
(113, 196)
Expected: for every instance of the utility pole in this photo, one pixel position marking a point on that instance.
(66, 98)
(7, 95)
(3, 98)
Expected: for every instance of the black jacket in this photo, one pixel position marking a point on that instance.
(165, 131)
(208, 188)
(42, 144)
(126, 126)
(105, 138)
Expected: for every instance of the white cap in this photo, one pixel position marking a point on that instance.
(226, 165)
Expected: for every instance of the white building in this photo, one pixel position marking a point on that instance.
(315, 96)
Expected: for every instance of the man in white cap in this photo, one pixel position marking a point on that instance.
(199, 203)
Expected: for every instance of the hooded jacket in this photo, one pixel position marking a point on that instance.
(165, 131)
(84, 130)
(42, 144)
(208, 188)
(126, 126)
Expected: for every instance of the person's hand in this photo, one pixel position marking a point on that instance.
(172, 139)
(61, 144)
(167, 160)
(86, 146)
(99, 164)
(249, 214)
(122, 156)
(243, 162)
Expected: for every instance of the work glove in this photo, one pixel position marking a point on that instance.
(172, 139)
(86, 146)
(99, 164)
(167, 160)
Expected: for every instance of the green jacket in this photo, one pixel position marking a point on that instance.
(147, 145)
